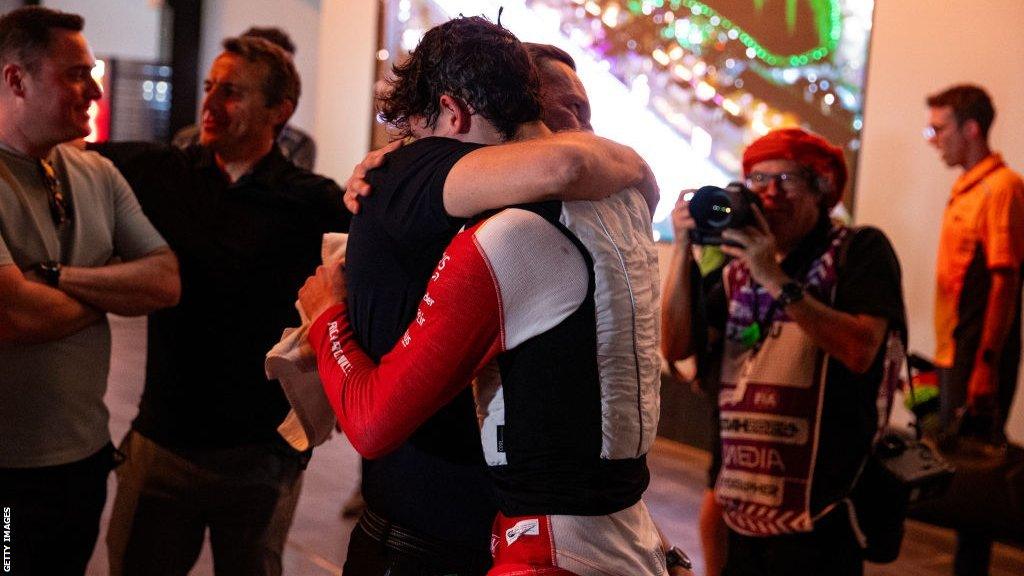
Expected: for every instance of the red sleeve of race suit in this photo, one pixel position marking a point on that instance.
(456, 331)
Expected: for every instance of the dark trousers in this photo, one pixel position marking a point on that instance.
(246, 496)
(830, 550)
(974, 548)
(390, 554)
(953, 381)
(52, 515)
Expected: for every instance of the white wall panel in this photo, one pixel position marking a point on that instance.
(918, 48)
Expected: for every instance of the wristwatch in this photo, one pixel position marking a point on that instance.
(676, 557)
(50, 272)
(792, 292)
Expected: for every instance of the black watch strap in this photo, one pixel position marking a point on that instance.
(792, 292)
(50, 271)
(676, 557)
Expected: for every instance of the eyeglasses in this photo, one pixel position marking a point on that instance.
(789, 182)
(932, 130)
(60, 211)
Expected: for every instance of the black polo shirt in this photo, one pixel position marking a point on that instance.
(244, 249)
(436, 483)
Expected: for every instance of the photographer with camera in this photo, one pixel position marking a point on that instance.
(806, 312)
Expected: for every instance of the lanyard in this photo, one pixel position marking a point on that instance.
(754, 334)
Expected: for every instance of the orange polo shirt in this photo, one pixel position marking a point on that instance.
(984, 219)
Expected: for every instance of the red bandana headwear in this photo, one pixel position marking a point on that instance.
(804, 148)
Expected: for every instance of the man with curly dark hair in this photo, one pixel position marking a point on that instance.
(492, 77)
(468, 84)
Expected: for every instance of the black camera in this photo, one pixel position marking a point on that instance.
(715, 209)
(917, 466)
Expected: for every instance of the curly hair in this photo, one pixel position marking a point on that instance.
(472, 60)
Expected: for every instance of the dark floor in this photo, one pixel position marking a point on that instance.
(317, 542)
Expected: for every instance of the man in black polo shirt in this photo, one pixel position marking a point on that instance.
(430, 507)
(247, 224)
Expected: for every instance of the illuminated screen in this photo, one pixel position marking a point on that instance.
(686, 83)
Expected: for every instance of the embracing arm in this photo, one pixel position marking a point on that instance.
(456, 331)
(130, 288)
(563, 166)
(32, 313)
(487, 294)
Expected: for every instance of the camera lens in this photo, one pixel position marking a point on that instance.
(721, 213)
(712, 208)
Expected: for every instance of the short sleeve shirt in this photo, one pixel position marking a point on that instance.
(982, 230)
(53, 411)
(869, 282)
(436, 483)
(107, 221)
(398, 237)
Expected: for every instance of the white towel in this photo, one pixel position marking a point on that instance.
(292, 362)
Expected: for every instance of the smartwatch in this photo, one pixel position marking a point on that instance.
(676, 557)
(50, 272)
(792, 293)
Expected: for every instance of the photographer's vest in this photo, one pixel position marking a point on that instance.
(771, 401)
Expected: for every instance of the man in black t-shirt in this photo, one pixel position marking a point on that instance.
(809, 312)
(429, 503)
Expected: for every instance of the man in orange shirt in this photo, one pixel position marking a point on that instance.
(977, 304)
